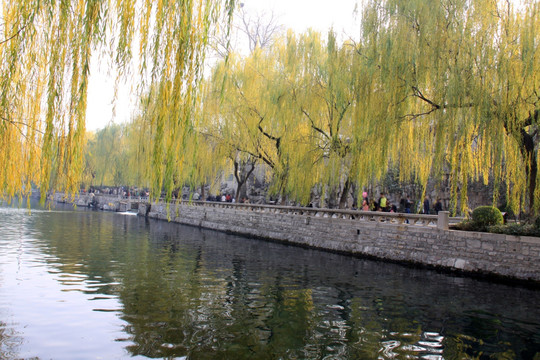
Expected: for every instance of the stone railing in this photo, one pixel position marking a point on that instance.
(441, 220)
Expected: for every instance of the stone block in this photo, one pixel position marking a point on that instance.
(514, 247)
(487, 245)
(530, 240)
(474, 244)
(443, 219)
(512, 238)
(461, 264)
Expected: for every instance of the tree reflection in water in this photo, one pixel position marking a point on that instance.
(200, 294)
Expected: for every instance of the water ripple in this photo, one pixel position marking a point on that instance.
(87, 284)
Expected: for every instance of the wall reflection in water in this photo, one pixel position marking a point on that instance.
(184, 292)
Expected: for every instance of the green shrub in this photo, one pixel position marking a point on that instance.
(465, 225)
(484, 216)
(515, 229)
(490, 219)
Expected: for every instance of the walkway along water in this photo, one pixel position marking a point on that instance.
(425, 239)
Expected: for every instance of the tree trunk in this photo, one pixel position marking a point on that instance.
(241, 179)
(345, 193)
(532, 182)
(237, 195)
(532, 168)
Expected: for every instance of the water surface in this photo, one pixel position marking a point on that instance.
(80, 284)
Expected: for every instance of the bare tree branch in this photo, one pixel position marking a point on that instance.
(259, 29)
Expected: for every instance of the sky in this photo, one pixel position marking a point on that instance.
(298, 15)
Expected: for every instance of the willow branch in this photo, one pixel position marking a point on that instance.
(13, 36)
(313, 124)
(18, 123)
(271, 137)
(435, 106)
(342, 114)
(421, 96)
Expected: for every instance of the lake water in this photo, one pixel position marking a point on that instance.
(81, 284)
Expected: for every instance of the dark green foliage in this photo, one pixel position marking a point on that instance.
(505, 208)
(465, 225)
(537, 223)
(484, 216)
(516, 229)
(510, 229)
(485, 213)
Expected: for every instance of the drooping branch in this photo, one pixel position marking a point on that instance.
(14, 35)
(434, 106)
(313, 126)
(342, 114)
(20, 123)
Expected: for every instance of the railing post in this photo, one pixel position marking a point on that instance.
(443, 220)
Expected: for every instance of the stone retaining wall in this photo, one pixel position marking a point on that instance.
(496, 254)
(102, 202)
(398, 237)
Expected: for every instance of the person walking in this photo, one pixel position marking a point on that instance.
(382, 202)
(426, 205)
(365, 205)
(438, 206)
(408, 204)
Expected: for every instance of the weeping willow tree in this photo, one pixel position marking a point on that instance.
(430, 88)
(452, 84)
(45, 54)
(112, 157)
(287, 109)
(325, 97)
(250, 113)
